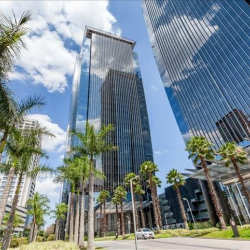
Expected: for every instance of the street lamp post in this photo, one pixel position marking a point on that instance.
(133, 205)
(166, 220)
(128, 224)
(191, 214)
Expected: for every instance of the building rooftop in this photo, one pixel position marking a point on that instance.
(89, 31)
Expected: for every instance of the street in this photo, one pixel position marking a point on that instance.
(176, 243)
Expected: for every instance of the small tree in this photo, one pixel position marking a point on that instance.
(232, 154)
(104, 195)
(148, 170)
(116, 201)
(176, 179)
(120, 194)
(200, 149)
(140, 192)
(38, 207)
(59, 215)
(70, 172)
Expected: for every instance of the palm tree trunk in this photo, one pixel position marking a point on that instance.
(57, 229)
(122, 220)
(104, 219)
(136, 210)
(2, 144)
(82, 218)
(101, 222)
(91, 240)
(152, 187)
(7, 233)
(35, 233)
(158, 207)
(76, 235)
(5, 195)
(31, 236)
(213, 194)
(71, 219)
(183, 214)
(244, 188)
(142, 214)
(117, 217)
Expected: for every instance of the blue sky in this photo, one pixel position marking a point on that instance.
(47, 68)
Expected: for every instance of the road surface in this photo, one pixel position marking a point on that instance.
(176, 243)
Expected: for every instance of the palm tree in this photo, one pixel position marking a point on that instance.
(17, 149)
(103, 196)
(120, 194)
(70, 173)
(18, 220)
(84, 166)
(157, 183)
(233, 154)
(115, 201)
(140, 192)
(199, 149)
(21, 148)
(92, 144)
(148, 169)
(12, 113)
(135, 182)
(176, 179)
(11, 43)
(59, 215)
(38, 207)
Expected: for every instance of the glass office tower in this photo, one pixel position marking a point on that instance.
(202, 49)
(107, 89)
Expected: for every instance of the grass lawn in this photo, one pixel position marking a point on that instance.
(203, 233)
(228, 234)
(50, 245)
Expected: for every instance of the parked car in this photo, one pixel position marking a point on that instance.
(144, 233)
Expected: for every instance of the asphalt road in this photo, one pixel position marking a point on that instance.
(176, 243)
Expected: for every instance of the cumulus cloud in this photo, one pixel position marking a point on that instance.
(49, 60)
(48, 187)
(56, 144)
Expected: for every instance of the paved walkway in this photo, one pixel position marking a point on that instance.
(177, 243)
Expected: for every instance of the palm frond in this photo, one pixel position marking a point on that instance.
(30, 104)
(39, 170)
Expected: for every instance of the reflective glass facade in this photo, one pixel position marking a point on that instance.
(202, 49)
(107, 89)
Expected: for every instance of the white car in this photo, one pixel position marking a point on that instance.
(144, 233)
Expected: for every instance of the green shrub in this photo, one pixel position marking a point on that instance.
(14, 242)
(51, 237)
(17, 242)
(40, 238)
(191, 226)
(203, 225)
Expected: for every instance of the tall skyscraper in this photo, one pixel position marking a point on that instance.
(107, 89)
(202, 49)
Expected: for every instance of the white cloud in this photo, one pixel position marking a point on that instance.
(159, 152)
(153, 88)
(48, 61)
(56, 144)
(48, 187)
